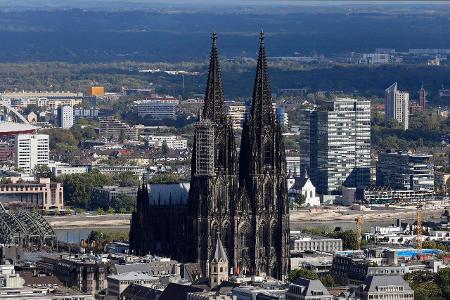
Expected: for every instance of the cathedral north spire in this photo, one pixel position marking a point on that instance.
(214, 108)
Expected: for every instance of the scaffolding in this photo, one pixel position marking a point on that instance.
(25, 228)
(204, 148)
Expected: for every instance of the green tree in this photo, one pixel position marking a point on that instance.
(166, 178)
(111, 211)
(348, 238)
(302, 272)
(443, 281)
(100, 211)
(43, 171)
(126, 179)
(327, 280)
(123, 201)
(300, 199)
(78, 187)
(165, 149)
(427, 291)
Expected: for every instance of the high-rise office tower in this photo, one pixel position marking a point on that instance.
(65, 117)
(396, 106)
(422, 98)
(31, 150)
(335, 144)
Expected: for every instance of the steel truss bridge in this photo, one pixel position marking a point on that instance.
(23, 227)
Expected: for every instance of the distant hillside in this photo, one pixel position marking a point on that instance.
(84, 36)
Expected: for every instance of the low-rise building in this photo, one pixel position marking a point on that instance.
(118, 283)
(42, 194)
(87, 273)
(172, 141)
(106, 169)
(157, 107)
(61, 169)
(316, 244)
(385, 287)
(306, 289)
(106, 195)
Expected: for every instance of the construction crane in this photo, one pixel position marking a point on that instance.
(419, 228)
(358, 231)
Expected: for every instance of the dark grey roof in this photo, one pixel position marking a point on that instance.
(137, 267)
(176, 291)
(372, 282)
(301, 181)
(311, 285)
(139, 292)
(171, 193)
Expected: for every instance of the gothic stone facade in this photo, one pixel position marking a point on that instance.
(241, 199)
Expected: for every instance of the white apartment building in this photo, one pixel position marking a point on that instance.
(65, 117)
(31, 150)
(62, 169)
(157, 107)
(236, 113)
(396, 106)
(317, 244)
(172, 141)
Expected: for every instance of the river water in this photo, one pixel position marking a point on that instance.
(74, 235)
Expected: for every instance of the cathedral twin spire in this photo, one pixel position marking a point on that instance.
(261, 112)
(214, 108)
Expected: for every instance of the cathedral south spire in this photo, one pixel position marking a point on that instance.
(261, 111)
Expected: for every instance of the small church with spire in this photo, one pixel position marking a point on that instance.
(236, 219)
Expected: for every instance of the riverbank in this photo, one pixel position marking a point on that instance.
(322, 215)
(344, 214)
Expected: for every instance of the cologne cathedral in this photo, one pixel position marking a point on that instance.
(237, 196)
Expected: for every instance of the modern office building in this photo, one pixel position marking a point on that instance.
(385, 287)
(157, 107)
(335, 144)
(31, 150)
(405, 171)
(65, 117)
(396, 106)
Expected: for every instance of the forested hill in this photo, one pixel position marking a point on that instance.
(77, 35)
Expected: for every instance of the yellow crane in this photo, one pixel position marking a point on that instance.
(419, 228)
(358, 231)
